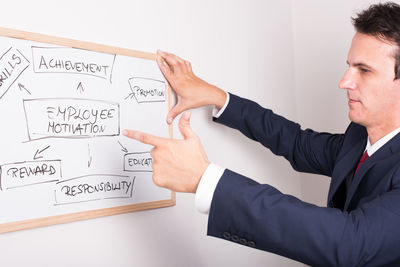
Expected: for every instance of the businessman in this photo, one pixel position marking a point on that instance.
(361, 225)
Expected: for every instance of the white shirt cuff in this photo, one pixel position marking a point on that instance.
(215, 112)
(206, 187)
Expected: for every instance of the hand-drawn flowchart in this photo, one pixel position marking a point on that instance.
(62, 110)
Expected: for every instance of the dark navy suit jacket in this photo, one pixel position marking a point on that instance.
(360, 226)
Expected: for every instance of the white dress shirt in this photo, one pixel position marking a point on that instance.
(371, 149)
(209, 180)
(213, 173)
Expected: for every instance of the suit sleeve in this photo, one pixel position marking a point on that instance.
(260, 216)
(306, 150)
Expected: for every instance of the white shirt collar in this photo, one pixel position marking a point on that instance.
(371, 149)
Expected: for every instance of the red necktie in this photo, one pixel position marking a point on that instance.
(363, 158)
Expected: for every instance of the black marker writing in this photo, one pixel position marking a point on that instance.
(68, 65)
(12, 64)
(148, 92)
(25, 172)
(71, 118)
(72, 60)
(86, 188)
(69, 113)
(140, 162)
(80, 128)
(8, 69)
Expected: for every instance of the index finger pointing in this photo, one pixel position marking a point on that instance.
(143, 137)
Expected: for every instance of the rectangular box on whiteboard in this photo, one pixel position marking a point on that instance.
(74, 61)
(71, 118)
(138, 162)
(12, 64)
(13, 175)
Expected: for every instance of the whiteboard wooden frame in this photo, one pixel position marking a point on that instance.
(84, 215)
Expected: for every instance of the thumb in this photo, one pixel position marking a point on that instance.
(184, 126)
(175, 111)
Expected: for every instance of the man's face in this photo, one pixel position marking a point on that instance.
(373, 94)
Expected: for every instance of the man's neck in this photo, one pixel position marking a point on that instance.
(376, 133)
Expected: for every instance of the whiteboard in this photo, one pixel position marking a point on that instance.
(63, 105)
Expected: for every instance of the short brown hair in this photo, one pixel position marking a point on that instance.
(382, 21)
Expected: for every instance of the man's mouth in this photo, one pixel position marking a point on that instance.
(353, 101)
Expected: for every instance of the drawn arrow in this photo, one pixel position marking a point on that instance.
(80, 88)
(90, 157)
(39, 152)
(22, 87)
(132, 93)
(123, 148)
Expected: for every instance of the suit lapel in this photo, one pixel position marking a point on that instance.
(357, 179)
(345, 165)
(384, 152)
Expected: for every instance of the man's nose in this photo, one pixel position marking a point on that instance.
(347, 82)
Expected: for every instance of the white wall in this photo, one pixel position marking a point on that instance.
(245, 47)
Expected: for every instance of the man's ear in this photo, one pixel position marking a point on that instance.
(396, 81)
(397, 65)
(397, 70)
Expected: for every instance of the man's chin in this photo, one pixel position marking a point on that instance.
(356, 119)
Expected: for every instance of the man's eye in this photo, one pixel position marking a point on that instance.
(364, 70)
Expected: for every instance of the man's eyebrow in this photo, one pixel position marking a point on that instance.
(360, 64)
